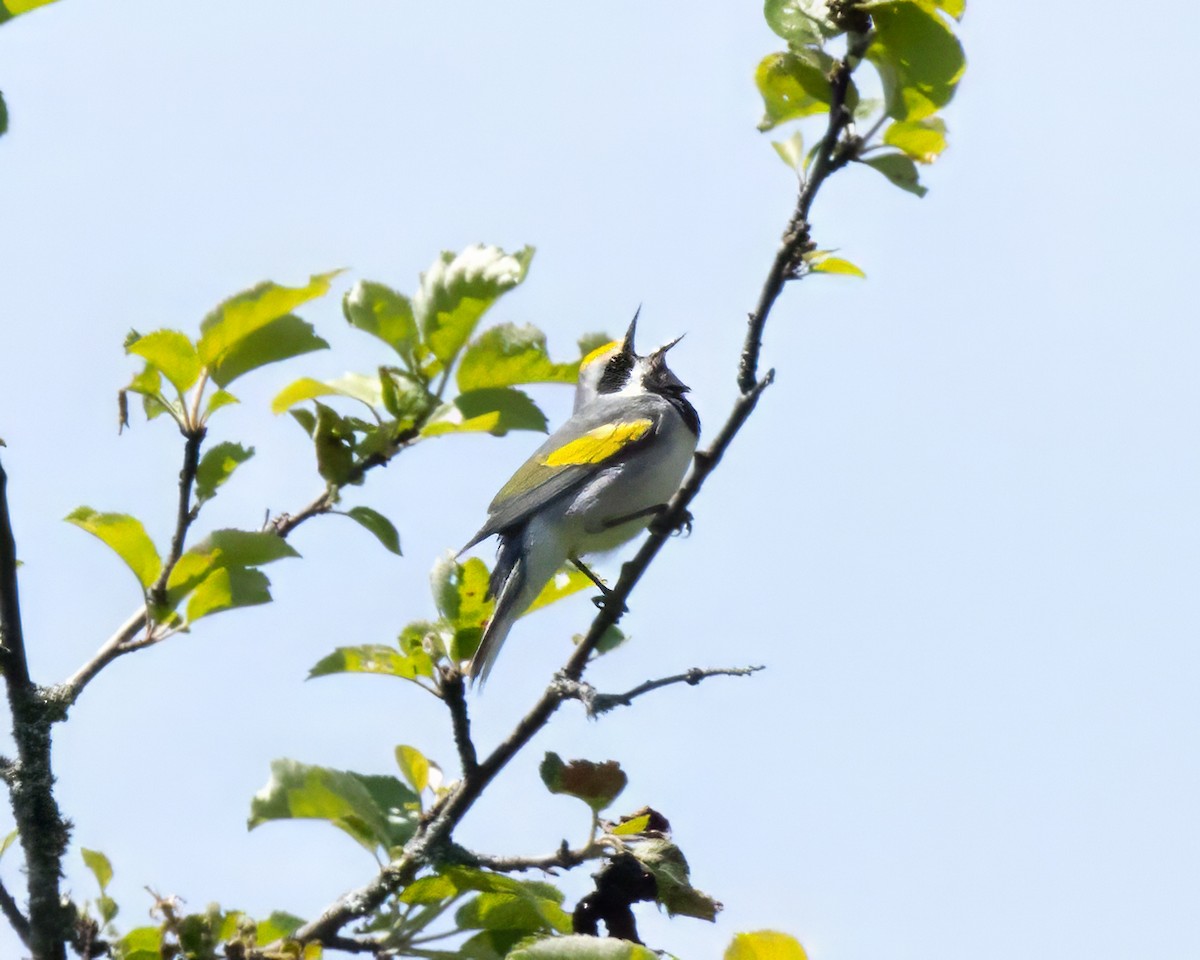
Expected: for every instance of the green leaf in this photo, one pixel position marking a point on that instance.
(7, 842)
(355, 386)
(217, 400)
(954, 8)
(384, 313)
(225, 549)
(107, 908)
(142, 943)
(373, 658)
(333, 439)
(281, 339)
(919, 59)
(126, 537)
(765, 945)
(579, 947)
(226, 588)
(596, 784)
(460, 590)
(800, 22)
(377, 811)
(277, 926)
(523, 915)
(631, 827)
(835, 265)
(172, 353)
(564, 583)
(413, 766)
(100, 866)
(791, 150)
(13, 8)
(922, 140)
(793, 85)
(494, 410)
(217, 465)
(249, 311)
(507, 355)
(379, 525)
(3, 116)
(675, 891)
(458, 289)
(899, 169)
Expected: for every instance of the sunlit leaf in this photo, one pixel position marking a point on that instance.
(218, 399)
(353, 385)
(578, 947)
(899, 169)
(413, 766)
(507, 355)
(280, 339)
(765, 945)
(172, 353)
(142, 943)
(217, 465)
(675, 891)
(100, 866)
(596, 784)
(458, 289)
(495, 410)
(919, 59)
(377, 811)
(13, 8)
(836, 265)
(632, 826)
(800, 22)
(107, 908)
(126, 537)
(244, 313)
(793, 86)
(384, 313)
(922, 140)
(224, 549)
(372, 658)
(227, 588)
(791, 150)
(564, 583)
(385, 532)
(276, 927)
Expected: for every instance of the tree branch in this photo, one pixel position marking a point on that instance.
(434, 834)
(453, 691)
(14, 916)
(564, 858)
(41, 828)
(599, 703)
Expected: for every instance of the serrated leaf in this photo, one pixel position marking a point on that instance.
(899, 169)
(413, 766)
(564, 583)
(922, 140)
(249, 311)
(280, 339)
(227, 588)
(217, 465)
(385, 313)
(100, 866)
(507, 355)
(383, 529)
(836, 265)
(675, 891)
(126, 537)
(373, 658)
(765, 945)
(919, 59)
(579, 947)
(800, 22)
(377, 811)
(172, 353)
(495, 410)
(458, 289)
(596, 784)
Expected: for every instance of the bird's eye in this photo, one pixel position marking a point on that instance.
(616, 373)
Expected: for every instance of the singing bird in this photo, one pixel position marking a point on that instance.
(594, 484)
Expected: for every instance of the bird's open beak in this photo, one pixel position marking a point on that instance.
(667, 346)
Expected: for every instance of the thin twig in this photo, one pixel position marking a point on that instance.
(453, 691)
(564, 858)
(603, 702)
(12, 913)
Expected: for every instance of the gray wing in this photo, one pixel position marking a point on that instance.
(536, 484)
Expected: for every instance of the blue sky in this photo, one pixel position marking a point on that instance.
(961, 530)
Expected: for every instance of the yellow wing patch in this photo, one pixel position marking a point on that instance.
(598, 445)
(599, 351)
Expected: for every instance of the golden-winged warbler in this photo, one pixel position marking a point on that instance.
(594, 483)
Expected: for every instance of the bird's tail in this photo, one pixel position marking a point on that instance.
(506, 585)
